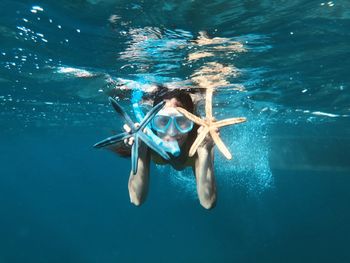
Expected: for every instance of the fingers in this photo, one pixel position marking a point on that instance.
(126, 128)
(129, 141)
(138, 125)
(217, 130)
(200, 129)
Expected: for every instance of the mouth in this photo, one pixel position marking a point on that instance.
(171, 139)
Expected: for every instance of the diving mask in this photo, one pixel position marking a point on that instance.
(161, 123)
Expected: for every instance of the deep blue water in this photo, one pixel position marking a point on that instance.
(283, 198)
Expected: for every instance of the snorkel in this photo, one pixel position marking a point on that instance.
(171, 147)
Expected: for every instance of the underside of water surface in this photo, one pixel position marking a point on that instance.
(284, 65)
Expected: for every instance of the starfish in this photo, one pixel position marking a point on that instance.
(210, 126)
(136, 132)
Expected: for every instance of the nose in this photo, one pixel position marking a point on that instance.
(172, 131)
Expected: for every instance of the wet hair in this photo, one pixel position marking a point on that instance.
(163, 93)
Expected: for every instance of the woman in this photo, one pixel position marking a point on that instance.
(174, 129)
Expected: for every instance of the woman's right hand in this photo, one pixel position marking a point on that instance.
(129, 141)
(208, 141)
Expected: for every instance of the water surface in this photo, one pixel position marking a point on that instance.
(282, 64)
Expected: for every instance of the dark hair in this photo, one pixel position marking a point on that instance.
(163, 93)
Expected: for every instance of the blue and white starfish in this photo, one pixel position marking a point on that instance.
(136, 132)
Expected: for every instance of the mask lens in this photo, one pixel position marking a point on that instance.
(183, 124)
(160, 123)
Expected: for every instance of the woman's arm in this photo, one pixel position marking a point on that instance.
(204, 172)
(138, 183)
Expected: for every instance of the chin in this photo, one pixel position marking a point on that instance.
(181, 140)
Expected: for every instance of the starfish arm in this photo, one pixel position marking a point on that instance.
(209, 104)
(149, 116)
(155, 147)
(220, 144)
(120, 110)
(229, 121)
(191, 116)
(112, 140)
(135, 154)
(198, 141)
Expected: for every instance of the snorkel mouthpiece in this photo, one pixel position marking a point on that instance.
(172, 147)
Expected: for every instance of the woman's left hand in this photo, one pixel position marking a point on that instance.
(208, 141)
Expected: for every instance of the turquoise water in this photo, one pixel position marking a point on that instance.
(284, 196)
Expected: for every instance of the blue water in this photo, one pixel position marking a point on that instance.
(283, 198)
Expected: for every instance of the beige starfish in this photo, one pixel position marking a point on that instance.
(210, 126)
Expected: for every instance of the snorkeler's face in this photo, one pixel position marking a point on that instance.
(172, 132)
